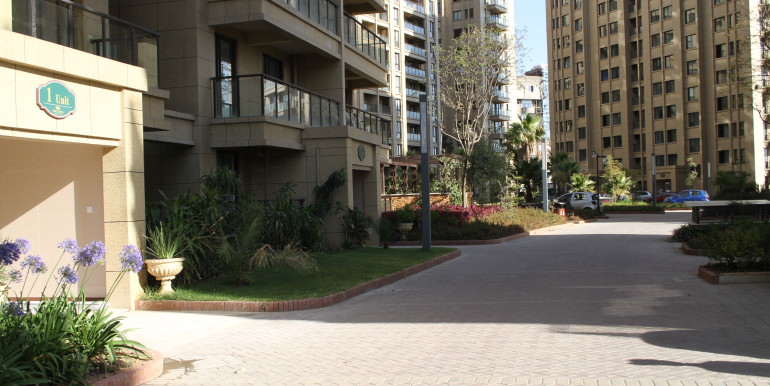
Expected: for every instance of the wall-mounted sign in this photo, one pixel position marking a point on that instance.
(56, 99)
(361, 152)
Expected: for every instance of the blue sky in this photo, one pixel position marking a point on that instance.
(530, 14)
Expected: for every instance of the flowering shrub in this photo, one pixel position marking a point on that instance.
(63, 339)
(462, 214)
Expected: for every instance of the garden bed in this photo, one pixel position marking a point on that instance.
(140, 372)
(714, 276)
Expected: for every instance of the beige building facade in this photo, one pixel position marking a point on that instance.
(658, 81)
(71, 128)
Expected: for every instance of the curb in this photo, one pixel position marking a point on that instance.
(291, 305)
(691, 251)
(141, 373)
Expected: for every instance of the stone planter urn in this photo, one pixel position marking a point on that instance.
(165, 270)
(404, 228)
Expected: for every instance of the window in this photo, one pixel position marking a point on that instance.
(655, 40)
(603, 53)
(720, 76)
(582, 155)
(581, 89)
(693, 119)
(723, 130)
(469, 13)
(606, 142)
(671, 111)
(605, 75)
(613, 5)
(459, 31)
(615, 72)
(602, 30)
(616, 119)
(656, 64)
(694, 145)
(567, 84)
(605, 97)
(581, 111)
(673, 159)
(671, 135)
(722, 103)
(578, 46)
(668, 61)
(689, 42)
(732, 20)
(617, 141)
(614, 50)
(578, 4)
(657, 88)
(724, 156)
(692, 67)
(689, 16)
(395, 15)
(692, 93)
(567, 104)
(578, 25)
(567, 62)
(565, 20)
(616, 95)
(457, 15)
(613, 28)
(654, 16)
(720, 50)
(659, 137)
(738, 129)
(719, 24)
(668, 37)
(581, 133)
(601, 8)
(717, 2)
(570, 147)
(668, 12)
(670, 86)
(660, 160)
(657, 112)
(579, 67)
(605, 119)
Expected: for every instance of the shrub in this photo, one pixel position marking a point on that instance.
(585, 214)
(688, 233)
(356, 226)
(631, 207)
(528, 219)
(742, 247)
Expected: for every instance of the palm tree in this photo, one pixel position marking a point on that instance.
(562, 169)
(522, 138)
(620, 186)
(531, 175)
(582, 183)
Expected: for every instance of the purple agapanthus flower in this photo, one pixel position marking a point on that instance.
(15, 309)
(9, 252)
(91, 254)
(23, 245)
(67, 275)
(70, 246)
(131, 258)
(14, 276)
(34, 264)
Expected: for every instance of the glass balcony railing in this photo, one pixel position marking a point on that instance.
(413, 137)
(413, 93)
(413, 114)
(500, 21)
(262, 95)
(502, 94)
(415, 49)
(367, 122)
(415, 6)
(500, 112)
(365, 40)
(414, 27)
(497, 3)
(323, 12)
(79, 27)
(414, 71)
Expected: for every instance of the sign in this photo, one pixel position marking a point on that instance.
(361, 152)
(56, 99)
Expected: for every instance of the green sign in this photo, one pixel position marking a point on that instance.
(56, 99)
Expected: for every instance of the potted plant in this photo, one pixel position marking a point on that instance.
(165, 245)
(405, 218)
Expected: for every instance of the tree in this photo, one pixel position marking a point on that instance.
(562, 169)
(692, 175)
(487, 170)
(582, 183)
(469, 72)
(530, 173)
(616, 181)
(522, 138)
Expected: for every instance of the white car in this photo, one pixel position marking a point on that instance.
(579, 200)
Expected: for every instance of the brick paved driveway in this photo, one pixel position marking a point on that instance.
(606, 303)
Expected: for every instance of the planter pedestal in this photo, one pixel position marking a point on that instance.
(165, 270)
(404, 228)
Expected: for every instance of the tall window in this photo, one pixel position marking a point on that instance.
(226, 89)
(273, 67)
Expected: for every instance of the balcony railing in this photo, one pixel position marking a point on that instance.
(502, 113)
(372, 108)
(502, 94)
(414, 27)
(497, 3)
(262, 95)
(413, 93)
(323, 12)
(413, 115)
(413, 137)
(365, 40)
(415, 49)
(367, 122)
(414, 71)
(79, 27)
(500, 21)
(415, 6)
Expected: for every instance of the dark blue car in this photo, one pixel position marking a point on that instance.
(688, 195)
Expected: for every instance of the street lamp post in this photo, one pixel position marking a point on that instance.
(596, 156)
(654, 183)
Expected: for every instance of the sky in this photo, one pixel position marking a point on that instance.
(530, 14)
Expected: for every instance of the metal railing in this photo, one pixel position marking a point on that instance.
(367, 122)
(414, 27)
(323, 12)
(498, 3)
(365, 40)
(76, 26)
(497, 20)
(415, 49)
(415, 6)
(414, 71)
(500, 112)
(413, 137)
(262, 95)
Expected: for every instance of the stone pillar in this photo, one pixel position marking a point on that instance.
(123, 169)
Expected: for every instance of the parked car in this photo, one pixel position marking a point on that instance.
(664, 195)
(688, 195)
(642, 195)
(579, 200)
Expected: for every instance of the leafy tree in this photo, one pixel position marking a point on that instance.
(471, 66)
(445, 181)
(582, 183)
(692, 175)
(488, 170)
(562, 169)
(522, 138)
(530, 172)
(616, 180)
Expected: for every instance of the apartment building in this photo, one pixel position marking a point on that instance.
(657, 81)
(410, 31)
(496, 15)
(76, 85)
(267, 87)
(532, 98)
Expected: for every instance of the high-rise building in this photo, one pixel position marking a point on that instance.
(658, 81)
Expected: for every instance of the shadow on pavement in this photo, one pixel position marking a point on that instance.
(744, 368)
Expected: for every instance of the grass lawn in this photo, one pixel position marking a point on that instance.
(338, 272)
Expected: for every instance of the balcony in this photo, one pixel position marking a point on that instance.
(412, 93)
(414, 6)
(497, 22)
(372, 108)
(414, 71)
(414, 28)
(84, 29)
(414, 137)
(263, 96)
(503, 78)
(502, 96)
(497, 6)
(415, 49)
(413, 115)
(367, 122)
(366, 41)
(500, 115)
